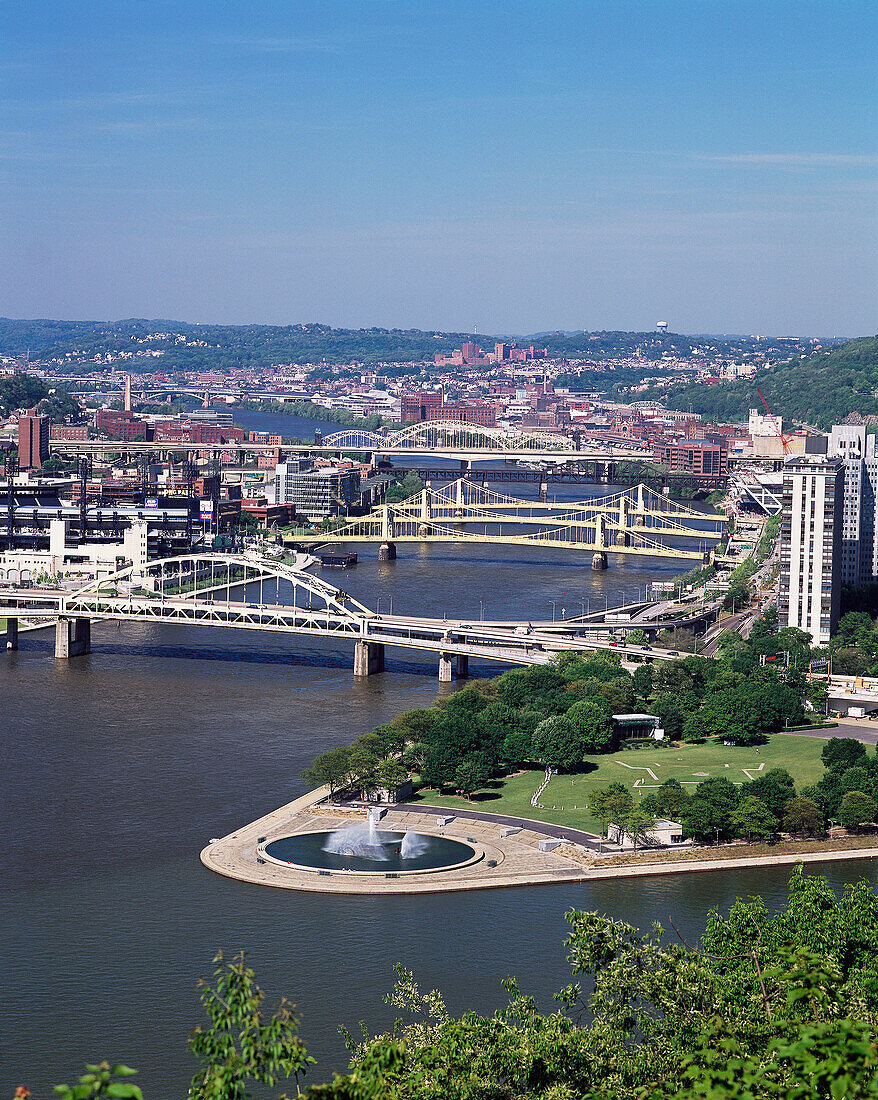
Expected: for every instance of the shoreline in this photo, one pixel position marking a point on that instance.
(515, 855)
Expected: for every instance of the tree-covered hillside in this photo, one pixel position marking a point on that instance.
(23, 391)
(820, 389)
(148, 345)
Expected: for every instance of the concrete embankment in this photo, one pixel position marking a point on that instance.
(507, 855)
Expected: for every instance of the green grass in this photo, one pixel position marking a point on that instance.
(565, 799)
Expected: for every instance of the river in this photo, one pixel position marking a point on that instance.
(119, 766)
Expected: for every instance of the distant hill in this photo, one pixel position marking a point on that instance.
(138, 344)
(820, 389)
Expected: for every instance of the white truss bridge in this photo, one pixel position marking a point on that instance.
(259, 594)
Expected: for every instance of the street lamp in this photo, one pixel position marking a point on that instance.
(582, 605)
(481, 610)
(553, 602)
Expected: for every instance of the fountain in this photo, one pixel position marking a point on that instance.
(362, 841)
(362, 847)
(413, 845)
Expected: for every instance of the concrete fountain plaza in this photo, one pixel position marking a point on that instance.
(499, 855)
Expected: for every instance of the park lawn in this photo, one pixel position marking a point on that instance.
(565, 800)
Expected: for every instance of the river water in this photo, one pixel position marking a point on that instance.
(119, 766)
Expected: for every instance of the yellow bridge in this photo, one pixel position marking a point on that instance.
(634, 521)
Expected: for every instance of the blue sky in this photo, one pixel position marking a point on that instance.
(514, 166)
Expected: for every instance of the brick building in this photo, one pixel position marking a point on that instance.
(471, 412)
(415, 406)
(695, 456)
(119, 424)
(33, 440)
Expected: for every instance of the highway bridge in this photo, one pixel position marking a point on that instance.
(466, 443)
(259, 594)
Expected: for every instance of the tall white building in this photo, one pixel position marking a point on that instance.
(811, 545)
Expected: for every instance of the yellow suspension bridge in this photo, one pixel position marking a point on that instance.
(635, 521)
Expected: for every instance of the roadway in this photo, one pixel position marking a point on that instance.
(508, 643)
(465, 455)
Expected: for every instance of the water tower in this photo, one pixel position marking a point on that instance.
(661, 326)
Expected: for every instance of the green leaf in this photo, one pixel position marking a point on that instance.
(123, 1071)
(127, 1092)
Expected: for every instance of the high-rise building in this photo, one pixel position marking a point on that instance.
(859, 554)
(811, 545)
(33, 440)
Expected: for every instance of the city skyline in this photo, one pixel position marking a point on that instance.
(513, 168)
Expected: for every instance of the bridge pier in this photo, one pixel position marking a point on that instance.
(543, 495)
(387, 551)
(12, 633)
(599, 560)
(462, 666)
(368, 658)
(445, 660)
(72, 638)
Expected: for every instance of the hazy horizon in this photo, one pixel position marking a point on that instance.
(418, 328)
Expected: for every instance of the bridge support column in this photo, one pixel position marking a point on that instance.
(368, 658)
(72, 638)
(544, 492)
(387, 551)
(12, 633)
(599, 560)
(462, 666)
(445, 668)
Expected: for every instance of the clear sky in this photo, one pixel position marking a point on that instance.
(516, 166)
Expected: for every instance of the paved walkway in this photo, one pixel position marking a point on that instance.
(587, 840)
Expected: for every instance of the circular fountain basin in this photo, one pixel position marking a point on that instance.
(382, 854)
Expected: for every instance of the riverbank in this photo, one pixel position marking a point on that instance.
(508, 852)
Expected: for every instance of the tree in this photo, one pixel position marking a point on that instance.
(668, 800)
(240, 1045)
(557, 743)
(802, 817)
(774, 788)
(671, 714)
(593, 724)
(638, 824)
(612, 803)
(857, 809)
(841, 753)
(363, 765)
(643, 681)
(754, 819)
(331, 768)
(98, 1080)
(707, 814)
(540, 687)
(780, 1005)
(473, 773)
(636, 637)
(389, 775)
(517, 747)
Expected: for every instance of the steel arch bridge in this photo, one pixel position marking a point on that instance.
(454, 435)
(196, 590)
(355, 439)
